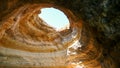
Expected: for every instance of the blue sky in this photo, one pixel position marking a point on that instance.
(54, 17)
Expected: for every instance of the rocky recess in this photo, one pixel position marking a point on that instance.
(93, 40)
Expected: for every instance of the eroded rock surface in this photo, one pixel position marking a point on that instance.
(92, 40)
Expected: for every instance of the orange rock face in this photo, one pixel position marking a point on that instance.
(25, 36)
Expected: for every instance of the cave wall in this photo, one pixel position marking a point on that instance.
(100, 28)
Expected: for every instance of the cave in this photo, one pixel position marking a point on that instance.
(91, 38)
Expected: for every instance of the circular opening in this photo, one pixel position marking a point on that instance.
(54, 18)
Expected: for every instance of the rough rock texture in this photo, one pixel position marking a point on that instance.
(26, 41)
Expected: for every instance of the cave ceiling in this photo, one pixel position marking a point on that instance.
(92, 41)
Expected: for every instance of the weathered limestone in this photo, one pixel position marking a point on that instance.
(25, 41)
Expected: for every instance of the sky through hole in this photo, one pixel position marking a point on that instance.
(55, 18)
